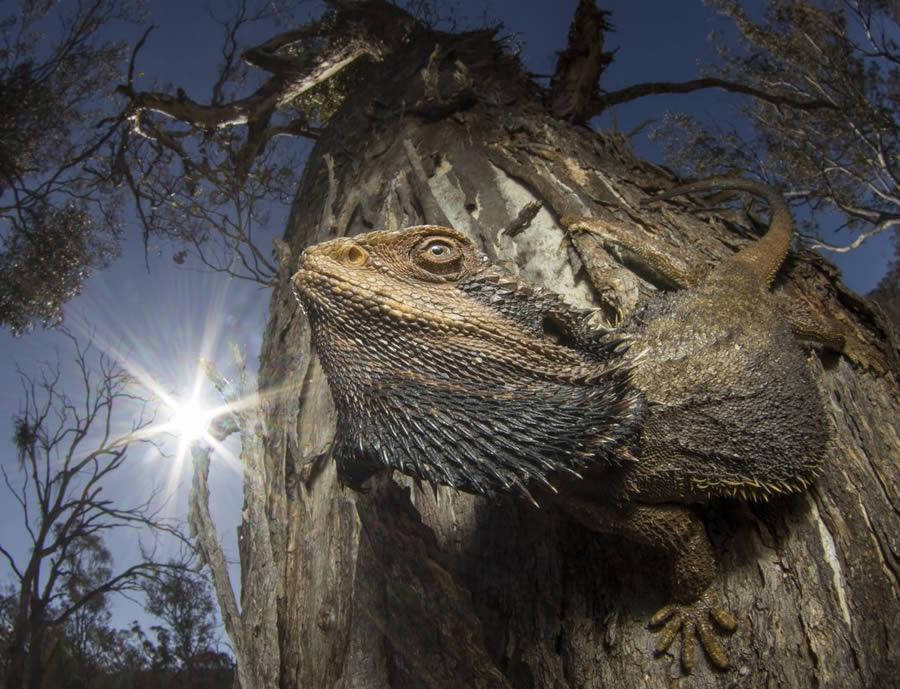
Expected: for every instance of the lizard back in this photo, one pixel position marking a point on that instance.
(732, 407)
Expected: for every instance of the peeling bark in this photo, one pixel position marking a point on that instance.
(402, 587)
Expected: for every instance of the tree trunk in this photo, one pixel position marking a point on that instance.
(404, 587)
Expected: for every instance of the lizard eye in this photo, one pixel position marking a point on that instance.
(355, 256)
(438, 255)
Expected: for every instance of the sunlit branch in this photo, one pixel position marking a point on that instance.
(204, 532)
(816, 243)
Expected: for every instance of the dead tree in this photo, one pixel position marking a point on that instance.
(70, 448)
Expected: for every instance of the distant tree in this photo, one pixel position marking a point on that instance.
(95, 646)
(59, 210)
(8, 599)
(843, 158)
(86, 649)
(187, 639)
(68, 448)
(156, 656)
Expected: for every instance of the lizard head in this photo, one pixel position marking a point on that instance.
(450, 369)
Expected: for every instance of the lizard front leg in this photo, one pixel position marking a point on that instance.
(694, 611)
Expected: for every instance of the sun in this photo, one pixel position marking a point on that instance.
(190, 419)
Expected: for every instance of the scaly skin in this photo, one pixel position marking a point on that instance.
(452, 370)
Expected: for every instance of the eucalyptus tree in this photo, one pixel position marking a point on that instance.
(405, 586)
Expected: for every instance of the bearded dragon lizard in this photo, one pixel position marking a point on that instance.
(454, 371)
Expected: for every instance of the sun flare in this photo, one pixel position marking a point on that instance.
(190, 420)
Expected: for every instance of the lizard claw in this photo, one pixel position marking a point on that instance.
(693, 621)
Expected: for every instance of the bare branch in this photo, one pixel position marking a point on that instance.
(204, 174)
(858, 240)
(651, 88)
(292, 75)
(203, 530)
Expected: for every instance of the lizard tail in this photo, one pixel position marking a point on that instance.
(765, 256)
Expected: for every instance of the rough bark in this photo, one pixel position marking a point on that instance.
(573, 86)
(403, 587)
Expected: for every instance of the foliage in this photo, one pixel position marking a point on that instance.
(59, 209)
(88, 652)
(185, 650)
(184, 604)
(8, 600)
(322, 101)
(841, 158)
(45, 259)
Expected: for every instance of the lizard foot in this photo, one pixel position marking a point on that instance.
(693, 620)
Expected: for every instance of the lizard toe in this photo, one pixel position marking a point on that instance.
(700, 619)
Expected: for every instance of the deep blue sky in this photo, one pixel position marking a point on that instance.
(163, 320)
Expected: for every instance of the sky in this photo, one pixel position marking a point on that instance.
(162, 320)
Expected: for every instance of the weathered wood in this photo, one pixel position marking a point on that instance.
(402, 587)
